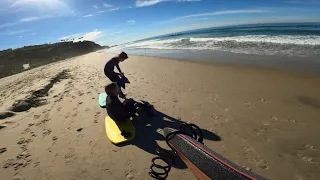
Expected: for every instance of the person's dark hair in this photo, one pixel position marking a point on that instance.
(110, 88)
(123, 55)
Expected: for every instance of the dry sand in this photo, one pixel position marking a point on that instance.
(268, 120)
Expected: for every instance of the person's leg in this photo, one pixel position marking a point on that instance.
(123, 120)
(130, 108)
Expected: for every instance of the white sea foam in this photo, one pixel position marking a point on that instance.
(252, 44)
(284, 39)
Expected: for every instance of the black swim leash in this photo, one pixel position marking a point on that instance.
(161, 172)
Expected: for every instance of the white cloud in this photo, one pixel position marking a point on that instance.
(27, 19)
(131, 21)
(46, 6)
(113, 9)
(304, 2)
(35, 18)
(112, 33)
(37, 9)
(72, 36)
(96, 6)
(247, 11)
(224, 12)
(188, 0)
(88, 15)
(7, 24)
(107, 5)
(10, 33)
(89, 36)
(93, 35)
(142, 3)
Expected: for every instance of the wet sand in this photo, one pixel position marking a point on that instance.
(266, 120)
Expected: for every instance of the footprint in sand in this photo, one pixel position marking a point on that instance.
(17, 176)
(215, 117)
(8, 163)
(283, 120)
(39, 123)
(298, 177)
(2, 150)
(87, 110)
(33, 134)
(80, 93)
(36, 164)
(37, 116)
(44, 121)
(26, 131)
(67, 115)
(249, 105)
(307, 159)
(262, 131)
(59, 109)
(24, 147)
(97, 115)
(253, 157)
(21, 161)
(262, 100)
(66, 92)
(47, 115)
(46, 132)
(310, 147)
(23, 155)
(21, 141)
(70, 154)
(175, 101)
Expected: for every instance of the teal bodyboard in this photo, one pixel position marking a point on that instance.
(102, 100)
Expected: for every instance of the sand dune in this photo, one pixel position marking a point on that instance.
(264, 120)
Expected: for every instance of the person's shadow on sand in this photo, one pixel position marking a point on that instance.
(149, 128)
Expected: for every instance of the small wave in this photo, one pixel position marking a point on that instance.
(156, 43)
(256, 39)
(294, 40)
(252, 44)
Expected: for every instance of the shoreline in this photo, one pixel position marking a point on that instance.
(267, 119)
(224, 58)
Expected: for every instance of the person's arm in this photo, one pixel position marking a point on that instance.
(118, 67)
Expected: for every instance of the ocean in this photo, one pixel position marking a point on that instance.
(291, 39)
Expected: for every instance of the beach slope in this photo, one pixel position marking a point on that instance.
(264, 120)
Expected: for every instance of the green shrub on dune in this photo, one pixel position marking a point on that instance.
(12, 60)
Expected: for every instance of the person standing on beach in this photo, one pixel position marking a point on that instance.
(113, 76)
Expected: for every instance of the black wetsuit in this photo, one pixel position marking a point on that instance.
(118, 111)
(109, 70)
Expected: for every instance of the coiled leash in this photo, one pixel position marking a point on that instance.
(168, 157)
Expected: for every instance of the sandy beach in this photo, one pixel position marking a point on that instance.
(267, 120)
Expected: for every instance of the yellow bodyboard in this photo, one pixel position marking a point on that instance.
(114, 129)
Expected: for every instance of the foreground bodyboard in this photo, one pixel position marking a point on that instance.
(205, 163)
(113, 130)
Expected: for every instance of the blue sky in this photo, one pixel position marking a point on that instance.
(109, 22)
